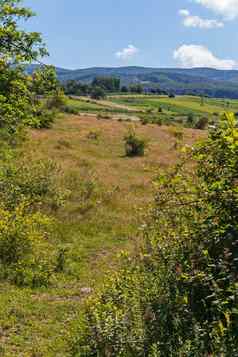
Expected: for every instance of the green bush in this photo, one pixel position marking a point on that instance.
(202, 123)
(70, 109)
(94, 135)
(145, 121)
(190, 120)
(178, 295)
(23, 247)
(159, 122)
(27, 190)
(43, 119)
(134, 146)
(36, 183)
(98, 93)
(56, 101)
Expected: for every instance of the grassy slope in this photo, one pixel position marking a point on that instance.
(36, 322)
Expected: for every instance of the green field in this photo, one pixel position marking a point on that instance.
(180, 105)
(156, 109)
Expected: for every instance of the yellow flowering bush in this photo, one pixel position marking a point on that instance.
(24, 247)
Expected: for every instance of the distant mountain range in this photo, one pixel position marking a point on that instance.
(196, 81)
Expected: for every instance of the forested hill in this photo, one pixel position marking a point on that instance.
(207, 81)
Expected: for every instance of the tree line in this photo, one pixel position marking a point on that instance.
(101, 86)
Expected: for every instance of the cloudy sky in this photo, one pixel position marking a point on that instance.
(156, 33)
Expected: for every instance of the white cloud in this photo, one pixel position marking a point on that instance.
(184, 12)
(227, 8)
(200, 56)
(127, 53)
(196, 21)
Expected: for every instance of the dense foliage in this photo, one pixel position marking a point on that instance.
(28, 190)
(73, 87)
(97, 93)
(178, 296)
(111, 84)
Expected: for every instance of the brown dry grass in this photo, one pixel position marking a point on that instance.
(106, 155)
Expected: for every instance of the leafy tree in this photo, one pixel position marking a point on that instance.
(124, 89)
(73, 87)
(16, 46)
(107, 83)
(44, 81)
(23, 229)
(171, 95)
(97, 93)
(136, 88)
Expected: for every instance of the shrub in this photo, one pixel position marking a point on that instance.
(36, 183)
(201, 123)
(159, 122)
(44, 119)
(61, 260)
(56, 101)
(27, 189)
(190, 120)
(145, 121)
(83, 189)
(23, 248)
(104, 116)
(124, 89)
(176, 132)
(98, 93)
(70, 109)
(93, 135)
(134, 146)
(171, 95)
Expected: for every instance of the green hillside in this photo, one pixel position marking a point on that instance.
(197, 81)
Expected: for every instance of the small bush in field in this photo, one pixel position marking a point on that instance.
(149, 110)
(70, 109)
(134, 146)
(60, 260)
(64, 143)
(176, 132)
(201, 123)
(190, 120)
(159, 122)
(145, 121)
(93, 135)
(98, 93)
(104, 116)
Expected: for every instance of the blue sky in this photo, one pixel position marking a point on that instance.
(157, 33)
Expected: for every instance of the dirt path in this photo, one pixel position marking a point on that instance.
(119, 117)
